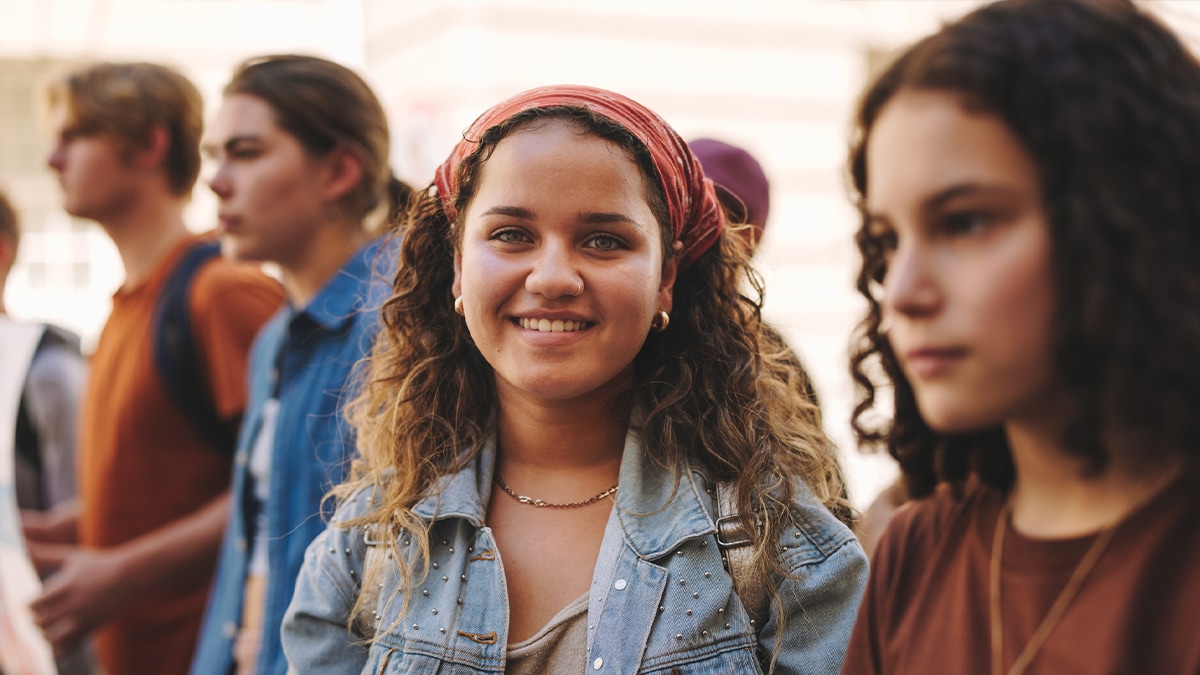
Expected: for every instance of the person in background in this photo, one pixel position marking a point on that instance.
(1030, 227)
(562, 419)
(741, 184)
(132, 558)
(300, 146)
(745, 193)
(48, 410)
(47, 419)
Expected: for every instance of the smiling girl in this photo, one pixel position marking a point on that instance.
(569, 381)
(1030, 229)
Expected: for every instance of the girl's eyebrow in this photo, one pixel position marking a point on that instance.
(938, 200)
(210, 149)
(510, 211)
(971, 188)
(603, 218)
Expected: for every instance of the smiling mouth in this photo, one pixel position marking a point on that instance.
(553, 325)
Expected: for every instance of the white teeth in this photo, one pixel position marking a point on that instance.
(555, 326)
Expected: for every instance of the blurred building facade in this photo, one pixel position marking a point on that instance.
(778, 77)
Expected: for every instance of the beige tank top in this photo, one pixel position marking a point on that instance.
(559, 647)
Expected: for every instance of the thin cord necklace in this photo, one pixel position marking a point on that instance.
(544, 504)
(1082, 569)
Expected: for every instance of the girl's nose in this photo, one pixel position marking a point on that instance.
(554, 274)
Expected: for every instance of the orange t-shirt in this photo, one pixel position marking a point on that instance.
(141, 464)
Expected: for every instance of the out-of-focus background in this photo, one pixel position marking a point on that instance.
(778, 77)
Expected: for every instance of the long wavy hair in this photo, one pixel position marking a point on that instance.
(1107, 102)
(713, 398)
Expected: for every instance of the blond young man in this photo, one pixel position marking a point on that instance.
(134, 556)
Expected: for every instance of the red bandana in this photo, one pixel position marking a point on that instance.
(696, 217)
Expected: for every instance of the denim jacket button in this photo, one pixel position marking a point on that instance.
(597, 664)
(620, 585)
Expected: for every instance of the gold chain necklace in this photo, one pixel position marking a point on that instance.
(1082, 569)
(544, 504)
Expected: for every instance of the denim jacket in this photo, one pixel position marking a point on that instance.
(303, 357)
(660, 600)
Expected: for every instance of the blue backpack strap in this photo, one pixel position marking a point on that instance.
(175, 351)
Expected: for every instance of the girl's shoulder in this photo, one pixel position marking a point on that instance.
(814, 534)
(921, 528)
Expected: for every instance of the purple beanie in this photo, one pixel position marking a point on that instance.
(740, 181)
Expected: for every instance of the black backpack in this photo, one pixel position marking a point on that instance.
(175, 351)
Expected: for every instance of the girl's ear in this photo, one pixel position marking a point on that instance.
(343, 173)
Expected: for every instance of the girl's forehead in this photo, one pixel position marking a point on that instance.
(925, 143)
(557, 154)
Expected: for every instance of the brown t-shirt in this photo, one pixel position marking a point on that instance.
(926, 606)
(141, 464)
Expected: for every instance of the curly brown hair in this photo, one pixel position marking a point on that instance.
(1107, 102)
(713, 398)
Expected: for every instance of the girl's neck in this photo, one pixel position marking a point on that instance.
(1053, 496)
(541, 436)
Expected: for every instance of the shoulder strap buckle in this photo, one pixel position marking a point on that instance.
(730, 532)
(735, 542)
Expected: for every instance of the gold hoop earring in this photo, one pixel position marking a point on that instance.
(458, 306)
(661, 322)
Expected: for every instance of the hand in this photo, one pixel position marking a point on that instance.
(57, 526)
(84, 592)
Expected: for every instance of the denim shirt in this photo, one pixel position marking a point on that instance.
(660, 600)
(303, 357)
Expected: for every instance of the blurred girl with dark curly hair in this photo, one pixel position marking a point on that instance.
(569, 430)
(1028, 182)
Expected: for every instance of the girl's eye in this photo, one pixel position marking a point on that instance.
(965, 223)
(510, 236)
(605, 242)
